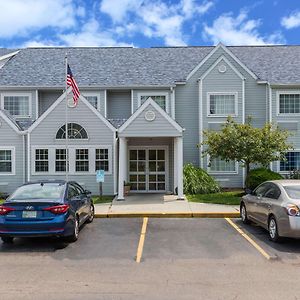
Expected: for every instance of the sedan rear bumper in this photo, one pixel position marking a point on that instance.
(290, 227)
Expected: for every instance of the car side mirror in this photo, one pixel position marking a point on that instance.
(249, 191)
(87, 192)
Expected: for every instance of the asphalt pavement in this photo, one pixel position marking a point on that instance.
(180, 259)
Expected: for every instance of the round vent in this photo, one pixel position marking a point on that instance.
(150, 115)
(222, 68)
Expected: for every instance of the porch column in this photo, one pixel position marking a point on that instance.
(122, 167)
(175, 165)
(179, 144)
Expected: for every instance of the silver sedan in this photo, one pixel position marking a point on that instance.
(274, 205)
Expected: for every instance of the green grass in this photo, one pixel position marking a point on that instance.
(229, 198)
(105, 199)
(1, 201)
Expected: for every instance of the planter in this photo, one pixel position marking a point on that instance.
(126, 190)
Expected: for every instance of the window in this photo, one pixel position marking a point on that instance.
(289, 103)
(292, 162)
(222, 166)
(72, 191)
(222, 104)
(6, 161)
(92, 98)
(273, 192)
(75, 132)
(102, 160)
(41, 160)
(17, 105)
(82, 160)
(261, 190)
(161, 100)
(60, 160)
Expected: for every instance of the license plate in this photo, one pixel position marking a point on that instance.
(29, 214)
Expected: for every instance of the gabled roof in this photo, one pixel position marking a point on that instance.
(150, 102)
(10, 120)
(140, 67)
(62, 98)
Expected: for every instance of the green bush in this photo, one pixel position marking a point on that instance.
(197, 181)
(258, 176)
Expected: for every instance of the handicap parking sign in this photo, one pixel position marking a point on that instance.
(100, 175)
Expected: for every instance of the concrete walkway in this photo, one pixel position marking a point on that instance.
(158, 205)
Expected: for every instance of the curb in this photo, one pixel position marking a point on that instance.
(170, 215)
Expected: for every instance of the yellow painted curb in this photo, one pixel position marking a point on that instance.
(170, 215)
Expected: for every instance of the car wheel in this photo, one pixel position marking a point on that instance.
(7, 239)
(74, 237)
(273, 230)
(92, 215)
(243, 213)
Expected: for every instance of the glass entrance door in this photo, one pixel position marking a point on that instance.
(147, 170)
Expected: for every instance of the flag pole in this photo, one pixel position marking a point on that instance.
(66, 125)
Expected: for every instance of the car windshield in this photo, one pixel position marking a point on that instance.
(293, 191)
(39, 191)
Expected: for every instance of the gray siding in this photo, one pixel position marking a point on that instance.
(98, 134)
(9, 138)
(141, 127)
(46, 99)
(118, 104)
(187, 107)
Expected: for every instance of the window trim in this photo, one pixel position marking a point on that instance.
(18, 94)
(235, 172)
(285, 92)
(13, 161)
(34, 154)
(77, 140)
(90, 94)
(155, 93)
(278, 163)
(72, 156)
(209, 115)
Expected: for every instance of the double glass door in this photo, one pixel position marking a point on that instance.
(147, 169)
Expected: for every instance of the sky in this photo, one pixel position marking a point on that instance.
(148, 23)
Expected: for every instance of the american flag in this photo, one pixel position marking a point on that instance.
(72, 83)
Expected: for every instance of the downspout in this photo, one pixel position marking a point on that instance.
(270, 112)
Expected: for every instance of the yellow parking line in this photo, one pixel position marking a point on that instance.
(142, 240)
(251, 241)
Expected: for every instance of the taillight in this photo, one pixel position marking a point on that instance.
(293, 210)
(4, 210)
(58, 209)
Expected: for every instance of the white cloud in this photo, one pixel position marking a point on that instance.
(91, 35)
(117, 9)
(154, 18)
(239, 31)
(291, 21)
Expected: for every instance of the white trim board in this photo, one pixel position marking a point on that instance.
(159, 110)
(150, 93)
(10, 123)
(285, 92)
(59, 100)
(220, 45)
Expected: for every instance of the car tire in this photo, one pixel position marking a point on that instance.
(7, 239)
(243, 214)
(273, 230)
(74, 237)
(92, 215)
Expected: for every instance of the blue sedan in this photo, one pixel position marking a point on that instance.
(46, 208)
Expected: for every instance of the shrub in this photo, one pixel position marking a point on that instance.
(258, 176)
(197, 181)
(295, 174)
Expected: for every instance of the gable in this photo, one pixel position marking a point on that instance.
(150, 121)
(6, 121)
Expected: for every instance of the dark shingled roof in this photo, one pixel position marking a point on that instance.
(121, 67)
(20, 124)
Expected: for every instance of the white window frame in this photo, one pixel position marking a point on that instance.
(92, 94)
(72, 156)
(13, 161)
(102, 159)
(149, 94)
(286, 92)
(235, 172)
(18, 94)
(278, 163)
(235, 94)
(88, 137)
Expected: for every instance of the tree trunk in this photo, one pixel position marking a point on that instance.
(247, 168)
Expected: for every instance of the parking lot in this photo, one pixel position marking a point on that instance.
(179, 259)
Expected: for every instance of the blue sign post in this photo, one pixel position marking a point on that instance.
(100, 179)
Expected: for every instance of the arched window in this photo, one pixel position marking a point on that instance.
(75, 132)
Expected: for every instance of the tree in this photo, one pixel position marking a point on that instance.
(247, 144)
